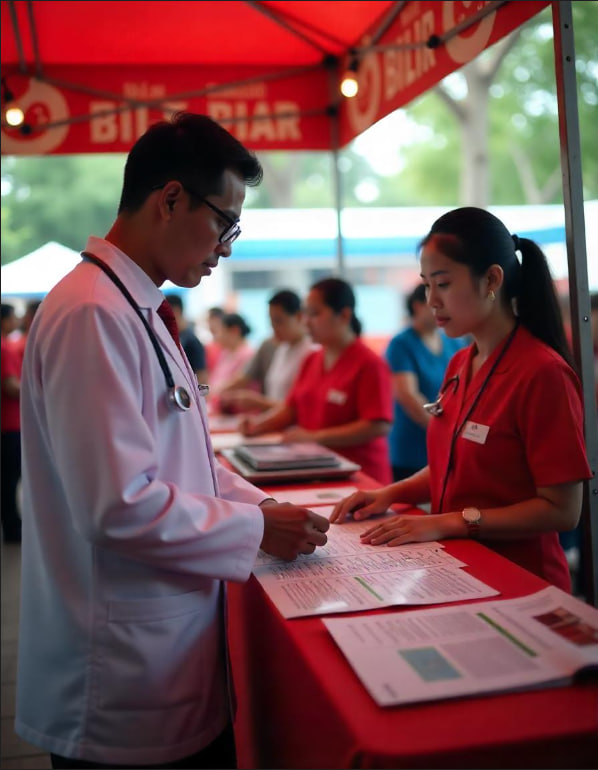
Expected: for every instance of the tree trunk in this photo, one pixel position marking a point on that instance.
(475, 179)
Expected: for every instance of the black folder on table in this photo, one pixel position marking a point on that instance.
(279, 457)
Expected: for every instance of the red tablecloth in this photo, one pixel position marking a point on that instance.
(301, 706)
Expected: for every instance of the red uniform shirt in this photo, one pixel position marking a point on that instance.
(525, 432)
(11, 367)
(356, 387)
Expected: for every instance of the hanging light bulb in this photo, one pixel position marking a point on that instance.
(349, 84)
(13, 114)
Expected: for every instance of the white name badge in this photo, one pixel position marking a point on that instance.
(473, 431)
(336, 396)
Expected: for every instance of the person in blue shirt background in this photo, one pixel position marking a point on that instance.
(418, 357)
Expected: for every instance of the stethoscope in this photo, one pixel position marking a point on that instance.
(438, 410)
(435, 408)
(178, 396)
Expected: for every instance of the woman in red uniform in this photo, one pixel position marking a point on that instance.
(341, 396)
(506, 448)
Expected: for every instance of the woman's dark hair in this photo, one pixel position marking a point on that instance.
(192, 149)
(337, 295)
(234, 319)
(288, 300)
(476, 238)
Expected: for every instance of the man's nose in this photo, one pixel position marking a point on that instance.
(224, 249)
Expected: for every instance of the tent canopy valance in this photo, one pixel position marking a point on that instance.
(91, 76)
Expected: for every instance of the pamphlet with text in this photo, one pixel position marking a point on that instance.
(543, 639)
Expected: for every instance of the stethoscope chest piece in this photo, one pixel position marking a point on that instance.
(179, 397)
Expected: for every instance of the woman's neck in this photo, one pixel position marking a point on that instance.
(488, 338)
(333, 350)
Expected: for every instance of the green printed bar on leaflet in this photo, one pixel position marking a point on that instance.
(509, 636)
(367, 587)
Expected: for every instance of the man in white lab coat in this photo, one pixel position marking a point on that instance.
(130, 525)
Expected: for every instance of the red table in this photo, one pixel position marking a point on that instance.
(301, 706)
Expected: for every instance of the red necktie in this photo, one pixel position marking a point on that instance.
(166, 314)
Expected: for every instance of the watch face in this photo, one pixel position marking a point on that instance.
(472, 515)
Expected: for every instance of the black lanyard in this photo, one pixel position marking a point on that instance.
(470, 410)
(178, 397)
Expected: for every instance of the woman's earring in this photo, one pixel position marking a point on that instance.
(491, 295)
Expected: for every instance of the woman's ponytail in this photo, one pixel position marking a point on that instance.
(537, 303)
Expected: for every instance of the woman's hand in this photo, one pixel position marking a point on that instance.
(361, 505)
(409, 528)
(295, 433)
(248, 427)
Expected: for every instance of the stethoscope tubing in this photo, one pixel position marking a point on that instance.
(177, 395)
(469, 412)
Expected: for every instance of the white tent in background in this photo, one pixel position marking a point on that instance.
(36, 273)
(32, 276)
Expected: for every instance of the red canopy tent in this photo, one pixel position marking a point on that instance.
(92, 75)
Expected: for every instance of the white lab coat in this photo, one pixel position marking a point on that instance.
(129, 527)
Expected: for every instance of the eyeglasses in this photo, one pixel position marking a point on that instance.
(435, 408)
(232, 230)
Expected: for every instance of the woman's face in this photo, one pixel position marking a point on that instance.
(324, 325)
(287, 327)
(230, 337)
(458, 301)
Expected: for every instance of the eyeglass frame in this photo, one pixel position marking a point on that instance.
(233, 229)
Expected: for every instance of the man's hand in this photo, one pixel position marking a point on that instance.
(290, 530)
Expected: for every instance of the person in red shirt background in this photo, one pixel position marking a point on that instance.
(506, 451)
(10, 379)
(342, 395)
(26, 321)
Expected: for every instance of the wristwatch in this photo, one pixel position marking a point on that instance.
(472, 518)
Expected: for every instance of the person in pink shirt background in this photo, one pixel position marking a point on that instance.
(235, 354)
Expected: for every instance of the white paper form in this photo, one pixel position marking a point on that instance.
(314, 496)
(346, 575)
(444, 652)
(317, 594)
(343, 540)
(222, 441)
(224, 422)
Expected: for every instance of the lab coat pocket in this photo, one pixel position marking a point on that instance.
(154, 651)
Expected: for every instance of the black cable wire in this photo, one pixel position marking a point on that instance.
(469, 412)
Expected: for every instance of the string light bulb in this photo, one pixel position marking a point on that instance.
(350, 84)
(13, 114)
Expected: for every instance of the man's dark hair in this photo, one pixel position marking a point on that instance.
(191, 149)
(7, 311)
(175, 301)
(417, 295)
(288, 300)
